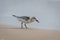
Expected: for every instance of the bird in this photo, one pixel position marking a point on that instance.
(25, 20)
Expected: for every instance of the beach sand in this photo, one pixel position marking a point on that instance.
(8, 32)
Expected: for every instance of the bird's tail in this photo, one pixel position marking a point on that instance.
(14, 15)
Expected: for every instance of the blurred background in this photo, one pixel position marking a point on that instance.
(46, 11)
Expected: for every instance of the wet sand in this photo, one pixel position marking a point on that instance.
(9, 32)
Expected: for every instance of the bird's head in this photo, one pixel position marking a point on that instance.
(33, 18)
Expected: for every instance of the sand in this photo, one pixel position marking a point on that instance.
(8, 32)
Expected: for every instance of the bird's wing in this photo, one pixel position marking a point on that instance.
(25, 17)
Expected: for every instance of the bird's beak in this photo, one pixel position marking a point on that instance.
(37, 21)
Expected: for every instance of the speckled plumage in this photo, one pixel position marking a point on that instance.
(25, 19)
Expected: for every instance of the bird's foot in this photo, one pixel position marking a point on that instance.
(27, 28)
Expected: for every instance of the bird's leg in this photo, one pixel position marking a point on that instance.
(21, 25)
(25, 26)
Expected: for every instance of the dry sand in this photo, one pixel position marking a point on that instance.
(9, 33)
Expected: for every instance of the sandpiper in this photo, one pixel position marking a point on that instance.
(25, 20)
